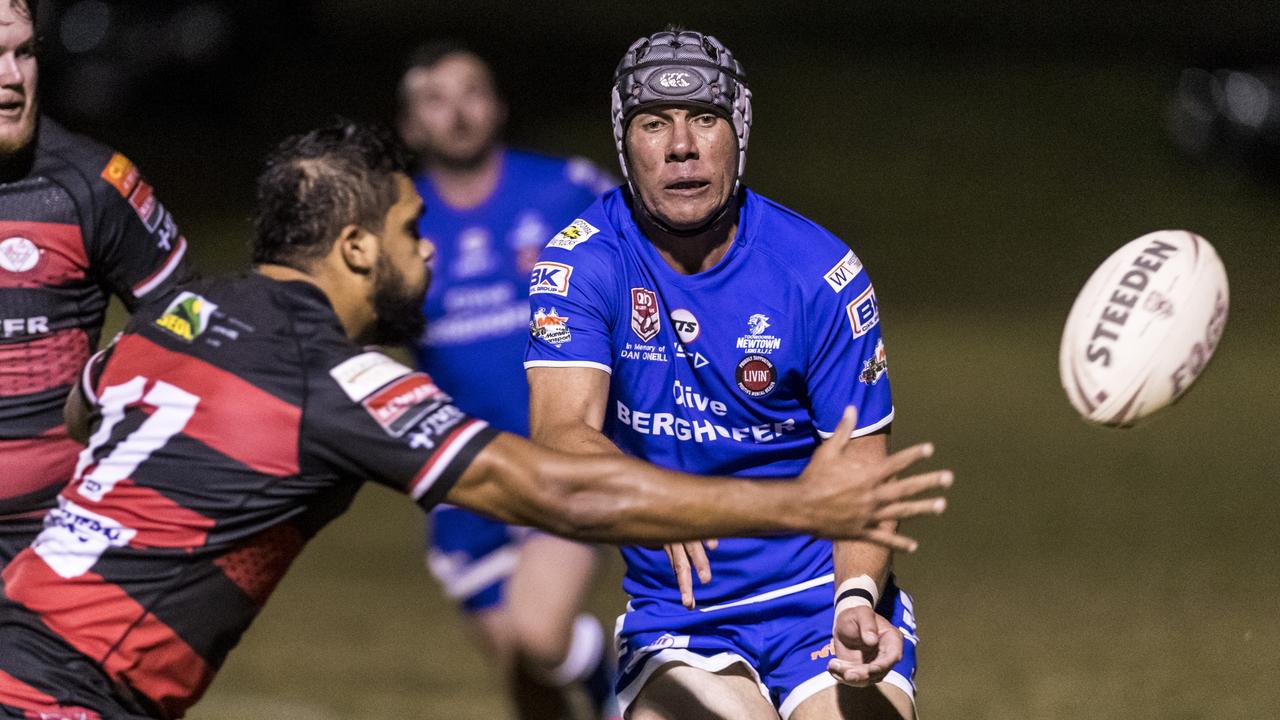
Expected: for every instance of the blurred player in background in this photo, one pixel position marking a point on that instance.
(704, 327)
(490, 209)
(183, 514)
(78, 224)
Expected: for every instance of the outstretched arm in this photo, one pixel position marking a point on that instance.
(612, 498)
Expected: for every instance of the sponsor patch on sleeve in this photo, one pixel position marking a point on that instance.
(550, 327)
(187, 316)
(875, 366)
(550, 278)
(404, 402)
(121, 173)
(864, 313)
(360, 376)
(578, 232)
(844, 272)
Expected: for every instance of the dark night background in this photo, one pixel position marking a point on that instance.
(982, 157)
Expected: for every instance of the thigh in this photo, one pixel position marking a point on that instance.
(676, 691)
(548, 589)
(842, 702)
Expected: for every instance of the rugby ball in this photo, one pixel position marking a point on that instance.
(1143, 328)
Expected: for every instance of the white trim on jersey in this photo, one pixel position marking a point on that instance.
(567, 363)
(827, 579)
(149, 284)
(462, 579)
(446, 456)
(862, 430)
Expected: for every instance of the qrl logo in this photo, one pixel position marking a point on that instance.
(644, 313)
(674, 80)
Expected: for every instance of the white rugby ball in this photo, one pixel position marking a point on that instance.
(1144, 327)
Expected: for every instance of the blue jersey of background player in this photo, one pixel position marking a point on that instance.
(477, 309)
(703, 327)
(489, 211)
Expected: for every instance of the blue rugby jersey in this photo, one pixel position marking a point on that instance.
(477, 311)
(738, 370)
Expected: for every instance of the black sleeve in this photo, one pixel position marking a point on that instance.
(368, 416)
(135, 247)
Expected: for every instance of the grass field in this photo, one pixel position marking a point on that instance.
(1079, 572)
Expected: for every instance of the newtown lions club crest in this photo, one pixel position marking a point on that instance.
(645, 320)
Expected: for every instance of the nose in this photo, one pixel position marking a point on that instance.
(10, 71)
(682, 144)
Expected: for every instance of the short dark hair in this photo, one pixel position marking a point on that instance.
(315, 184)
(430, 53)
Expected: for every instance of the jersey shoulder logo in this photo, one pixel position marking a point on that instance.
(121, 174)
(844, 272)
(645, 320)
(187, 316)
(864, 312)
(363, 374)
(550, 278)
(550, 327)
(578, 232)
(400, 405)
(876, 366)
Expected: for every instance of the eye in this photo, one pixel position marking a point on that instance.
(26, 49)
(705, 120)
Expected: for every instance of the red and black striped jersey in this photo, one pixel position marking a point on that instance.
(77, 225)
(232, 421)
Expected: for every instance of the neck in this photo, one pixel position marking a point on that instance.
(354, 313)
(692, 254)
(464, 186)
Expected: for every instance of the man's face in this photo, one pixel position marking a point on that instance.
(18, 75)
(401, 276)
(452, 112)
(682, 162)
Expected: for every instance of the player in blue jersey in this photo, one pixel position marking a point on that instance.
(687, 320)
(490, 210)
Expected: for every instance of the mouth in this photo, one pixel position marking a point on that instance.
(12, 107)
(687, 187)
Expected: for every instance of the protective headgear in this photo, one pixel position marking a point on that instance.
(681, 68)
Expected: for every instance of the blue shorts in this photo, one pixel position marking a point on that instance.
(473, 556)
(784, 641)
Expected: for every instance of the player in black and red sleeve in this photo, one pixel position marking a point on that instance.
(78, 224)
(235, 417)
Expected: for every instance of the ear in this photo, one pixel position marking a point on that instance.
(358, 249)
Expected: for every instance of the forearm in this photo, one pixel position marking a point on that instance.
(613, 498)
(857, 557)
(575, 437)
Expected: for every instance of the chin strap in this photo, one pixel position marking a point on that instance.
(733, 202)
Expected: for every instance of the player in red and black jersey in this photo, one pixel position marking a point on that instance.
(77, 225)
(235, 417)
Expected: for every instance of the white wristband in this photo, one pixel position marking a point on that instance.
(858, 591)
